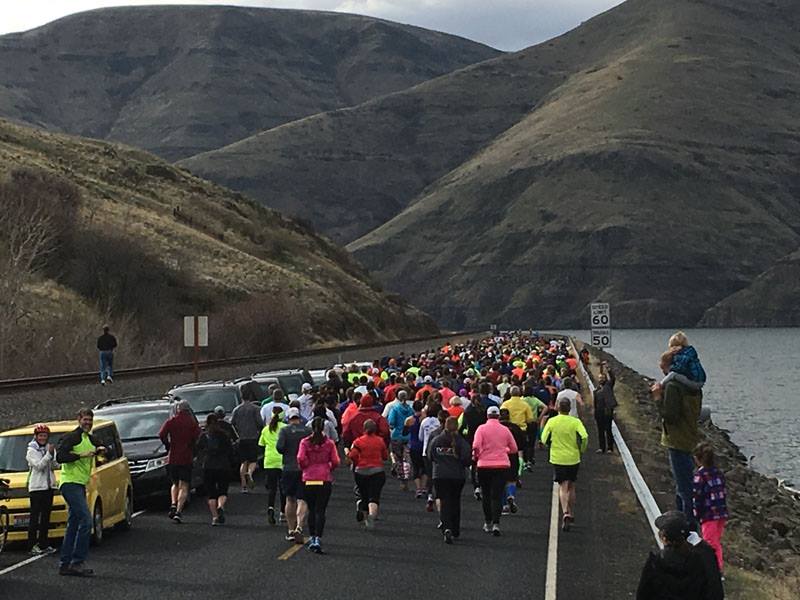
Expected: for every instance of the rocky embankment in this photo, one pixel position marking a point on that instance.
(763, 532)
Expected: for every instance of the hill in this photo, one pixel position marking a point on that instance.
(179, 80)
(660, 175)
(150, 243)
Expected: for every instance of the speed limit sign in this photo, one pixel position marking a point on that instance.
(600, 313)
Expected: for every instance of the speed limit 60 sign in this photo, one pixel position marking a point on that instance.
(601, 315)
(600, 324)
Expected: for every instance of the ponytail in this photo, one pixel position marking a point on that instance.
(277, 411)
(317, 431)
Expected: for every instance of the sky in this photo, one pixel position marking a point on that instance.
(503, 24)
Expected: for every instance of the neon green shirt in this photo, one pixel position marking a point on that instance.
(272, 458)
(567, 439)
(79, 471)
(537, 406)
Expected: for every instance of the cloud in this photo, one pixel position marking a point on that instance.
(504, 24)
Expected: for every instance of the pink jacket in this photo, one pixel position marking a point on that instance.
(492, 444)
(317, 462)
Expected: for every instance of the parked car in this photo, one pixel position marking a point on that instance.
(138, 421)
(205, 396)
(109, 492)
(290, 381)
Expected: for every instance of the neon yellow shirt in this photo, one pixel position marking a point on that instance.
(272, 458)
(567, 439)
(79, 471)
(520, 411)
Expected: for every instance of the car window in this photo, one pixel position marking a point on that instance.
(291, 384)
(203, 401)
(108, 439)
(13, 449)
(138, 424)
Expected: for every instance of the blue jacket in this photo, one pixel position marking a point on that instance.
(397, 419)
(686, 362)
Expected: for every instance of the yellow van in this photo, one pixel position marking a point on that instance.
(109, 493)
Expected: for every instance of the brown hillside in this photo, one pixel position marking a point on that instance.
(178, 80)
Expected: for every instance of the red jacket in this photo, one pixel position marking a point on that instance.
(367, 451)
(355, 426)
(179, 434)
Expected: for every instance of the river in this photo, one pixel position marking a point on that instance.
(753, 386)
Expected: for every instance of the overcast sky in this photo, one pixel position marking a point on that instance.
(504, 24)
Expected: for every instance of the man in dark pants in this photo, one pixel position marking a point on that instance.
(106, 344)
(604, 404)
(679, 408)
(76, 454)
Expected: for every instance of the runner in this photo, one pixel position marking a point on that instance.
(490, 449)
(512, 477)
(570, 393)
(401, 455)
(532, 432)
(567, 439)
(415, 447)
(450, 455)
(76, 454)
(317, 457)
(270, 404)
(288, 444)
(179, 435)
(367, 455)
(41, 458)
(273, 461)
(217, 457)
(246, 420)
(474, 416)
(427, 427)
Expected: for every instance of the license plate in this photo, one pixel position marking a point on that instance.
(22, 520)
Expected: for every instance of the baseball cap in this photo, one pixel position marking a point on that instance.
(293, 413)
(673, 523)
(428, 379)
(219, 410)
(493, 410)
(307, 387)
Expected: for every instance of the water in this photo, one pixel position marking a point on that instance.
(753, 386)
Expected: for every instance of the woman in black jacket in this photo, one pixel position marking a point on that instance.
(450, 455)
(217, 457)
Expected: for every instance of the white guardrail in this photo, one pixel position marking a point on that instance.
(643, 493)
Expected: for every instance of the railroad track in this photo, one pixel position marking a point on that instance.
(91, 376)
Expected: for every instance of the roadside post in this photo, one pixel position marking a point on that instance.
(195, 335)
(600, 319)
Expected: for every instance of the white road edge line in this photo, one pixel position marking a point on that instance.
(32, 559)
(551, 578)
(643, 493)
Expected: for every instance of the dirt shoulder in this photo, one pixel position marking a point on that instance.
(762, 539)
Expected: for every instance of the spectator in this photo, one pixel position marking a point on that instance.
(106, 344)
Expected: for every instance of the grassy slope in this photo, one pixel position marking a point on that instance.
(178, 80)
(233, 248)
(661, 176)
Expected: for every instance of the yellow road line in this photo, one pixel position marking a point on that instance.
(292, 551)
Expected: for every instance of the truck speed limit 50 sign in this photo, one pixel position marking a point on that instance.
(600, 324)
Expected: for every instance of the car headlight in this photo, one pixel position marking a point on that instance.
(155, 463)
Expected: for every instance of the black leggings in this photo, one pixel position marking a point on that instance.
(604, 435)
(493, 483)
(41, 505)
(317, 496)
(273, 485)
(448, 491)
(369, 489)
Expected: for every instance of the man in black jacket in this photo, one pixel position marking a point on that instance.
(106, 344)
(604, 404)
(680, 571)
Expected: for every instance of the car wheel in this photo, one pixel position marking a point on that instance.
(127, 521)
(97, 524)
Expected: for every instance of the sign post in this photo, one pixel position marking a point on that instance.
(195, 335)
(600, 313)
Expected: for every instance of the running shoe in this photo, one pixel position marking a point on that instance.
(281, 518)
(215, 521)
(271, 516)
(369, 522)
(565, 523)
(430, 504)
(599, 451)
(477, 494)
(245, 490)
(512, 505)
(316, 545)
(448, 536)
(221, 515)
(496, 530)
(506, 510)
(172, 510)
(440, 525)
(109, 379)
(177, 518)
(487, 527)
(359, 512)
(298, 535)
(251, 484)
(420, 494)
(289, 537)
(36, 550)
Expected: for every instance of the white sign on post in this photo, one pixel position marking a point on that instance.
(198, 326)
(601, 324)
